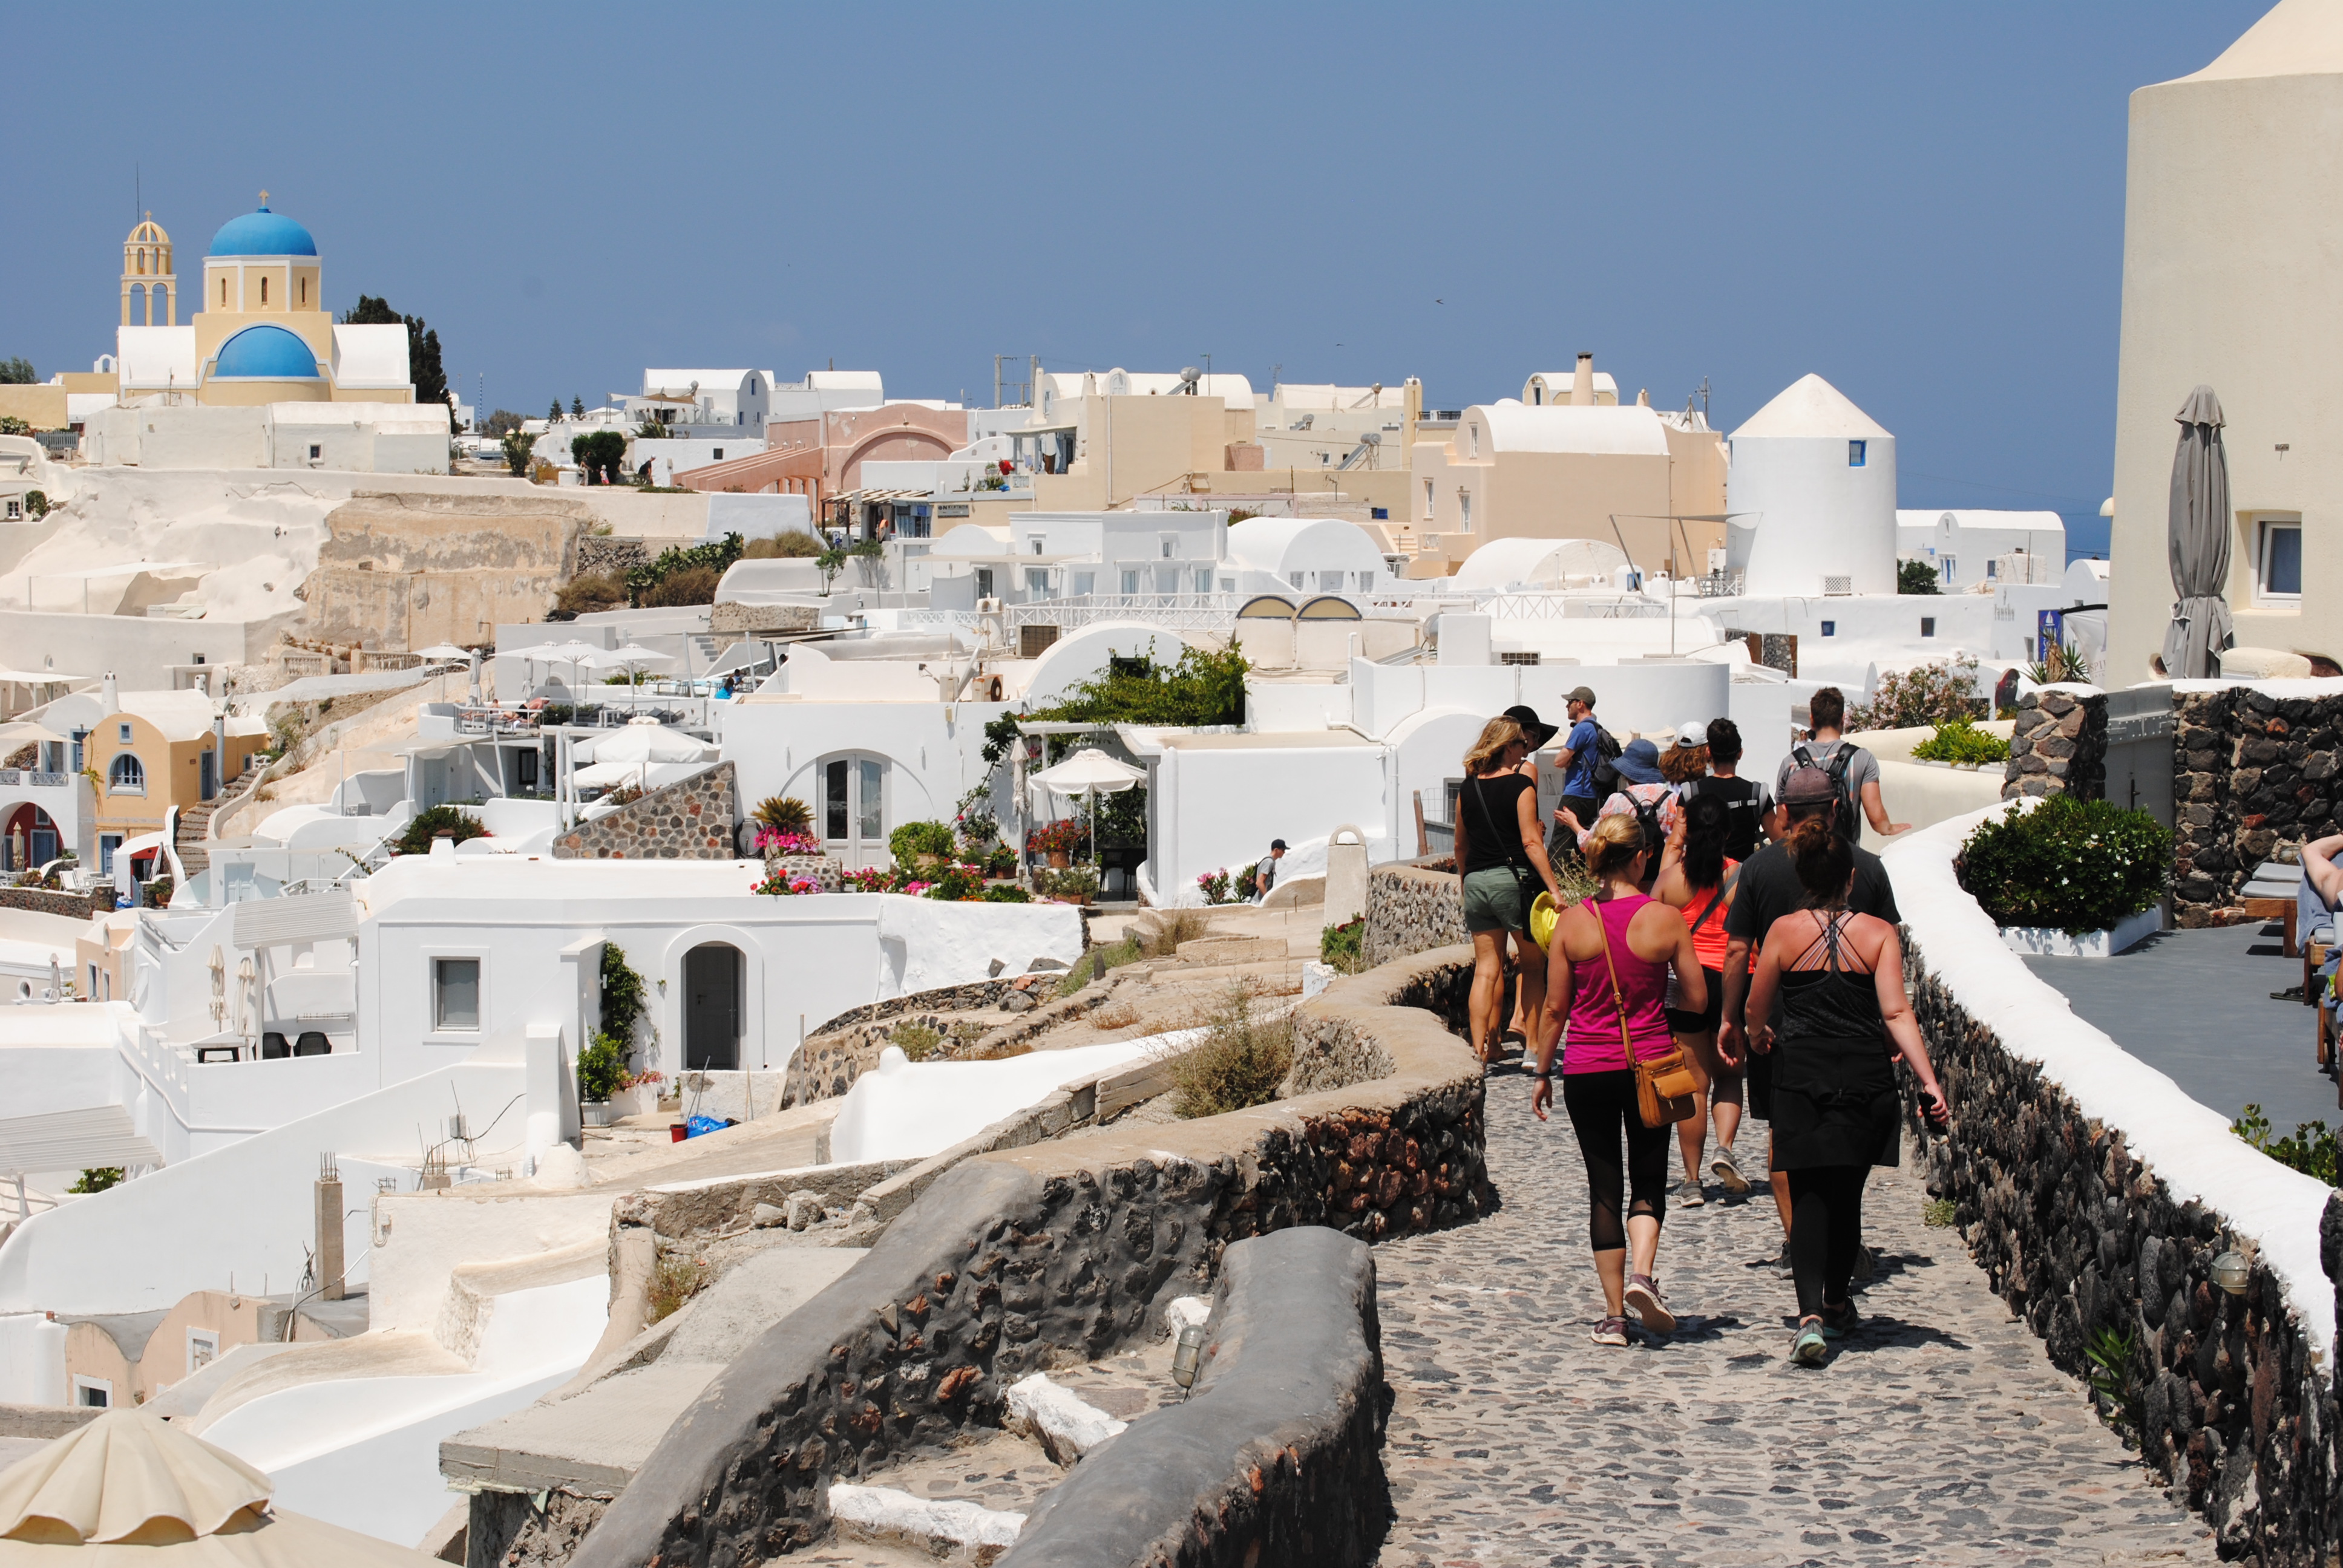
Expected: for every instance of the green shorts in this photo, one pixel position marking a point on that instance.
(1493, 900)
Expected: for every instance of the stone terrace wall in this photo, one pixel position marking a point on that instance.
(690, 819)
(2253, 771)
(1277, 1458)
(2059, 745)
(1017, 1260)
(2078, 1235)
(1412, 906)
(72, 906)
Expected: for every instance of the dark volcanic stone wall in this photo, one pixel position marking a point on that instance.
(2080, 1236)
(2252, 771)
(2059, 745)
(1412, 906)
(1058, 1252)
(690, 819)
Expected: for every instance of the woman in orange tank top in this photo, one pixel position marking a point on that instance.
(1698, 878)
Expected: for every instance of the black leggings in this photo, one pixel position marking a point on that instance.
(1825, 1229)
(1598, 1104)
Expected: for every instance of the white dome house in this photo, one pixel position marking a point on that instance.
(1812, 491)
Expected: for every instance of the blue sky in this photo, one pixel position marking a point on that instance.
(1923, 203)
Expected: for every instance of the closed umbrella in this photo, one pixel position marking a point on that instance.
(2200, 524)
(128, 1491)
(634, 656)
(1090, 772)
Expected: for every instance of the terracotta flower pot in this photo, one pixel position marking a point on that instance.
(1058, 859)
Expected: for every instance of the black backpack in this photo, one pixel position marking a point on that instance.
(1606, 763)
(1850, 811)
(1741, 819)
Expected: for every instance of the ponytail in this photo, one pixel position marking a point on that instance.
(1824, 859)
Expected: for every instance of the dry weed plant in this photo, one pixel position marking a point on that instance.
(1239, 1063)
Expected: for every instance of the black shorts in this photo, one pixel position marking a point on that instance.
(1681, 1020)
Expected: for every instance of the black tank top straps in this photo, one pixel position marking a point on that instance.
(1835, 1002)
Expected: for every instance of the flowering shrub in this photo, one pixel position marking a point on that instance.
(912, 839)
(774, 841)
(1931, 694)
(1248, 884)
(954, 884)
(780, 884)
(1000, 862)
(2077, 865)
(1064, 838)
(870, 879)
(1215, 885)
(650, 1080)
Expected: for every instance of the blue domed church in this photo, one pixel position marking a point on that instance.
(260, 334)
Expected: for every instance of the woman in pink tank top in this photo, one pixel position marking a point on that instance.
(1611, 956)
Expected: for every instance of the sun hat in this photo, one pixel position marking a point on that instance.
(1691, 733)
(1639, 763)
(1534, 730)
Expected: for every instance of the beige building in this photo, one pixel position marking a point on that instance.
(2231, 236)
(1651, 483)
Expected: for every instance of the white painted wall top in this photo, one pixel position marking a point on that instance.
(2297, 38)
(1608, 431)
(1811, 406)
(1501, 562)
(374, 356)
(1279, 544)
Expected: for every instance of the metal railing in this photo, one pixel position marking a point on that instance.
(1559, 607)
(1173, 612)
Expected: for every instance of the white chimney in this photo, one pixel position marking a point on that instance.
(1581, 383)
(109, 697)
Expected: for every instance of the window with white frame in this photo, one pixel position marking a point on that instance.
(1130, 582)
(1085, 584)
(1464, 507)
(2278, 560)
(202, 1348)
(455, 994)
(1203, 579)
(1475, 429)
(1296, 578)
(1170, 542)
(127, 775)
(122, 732)
(1427, 500)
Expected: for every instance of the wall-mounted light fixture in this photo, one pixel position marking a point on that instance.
(2232, 1273)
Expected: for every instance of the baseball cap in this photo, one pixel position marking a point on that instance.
(1277, 843)
(1692, 732)
(1808, 786)
(1585, 694)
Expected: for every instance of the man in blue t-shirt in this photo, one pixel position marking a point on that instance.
(1576, 762)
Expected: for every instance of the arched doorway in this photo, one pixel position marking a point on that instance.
(30, 838)
(712, 975)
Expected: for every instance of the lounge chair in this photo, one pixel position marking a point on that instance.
(2274, 892)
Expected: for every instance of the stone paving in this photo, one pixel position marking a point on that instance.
(1938, 1433)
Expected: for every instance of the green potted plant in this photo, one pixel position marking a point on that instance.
(2076, 878)
(601, 1070)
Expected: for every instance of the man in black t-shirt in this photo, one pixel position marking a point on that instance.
(1748, 803)
(1768, 889)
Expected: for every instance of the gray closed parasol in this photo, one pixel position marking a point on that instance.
(2201, 627)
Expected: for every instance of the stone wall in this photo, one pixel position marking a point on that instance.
(690, 819)
(1058, 1252)
(72, 906)
(601, 553)
(2080, 1236)
(1412, 906)
(2253, 771)
(1277, 1455)
(2059, 745)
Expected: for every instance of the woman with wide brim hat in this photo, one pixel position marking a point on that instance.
(1536, 734)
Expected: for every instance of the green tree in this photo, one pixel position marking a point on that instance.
(423, 363)
(553, 415)
(1200, 688)
(17, 372)
(517, 447)
(577, 408)
(601, 454)
(1916, 576)
(503, 422)
(97, 1180)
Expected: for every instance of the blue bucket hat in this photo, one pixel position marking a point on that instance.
(1639, 763)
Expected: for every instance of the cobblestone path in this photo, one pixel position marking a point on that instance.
(1939, 1433)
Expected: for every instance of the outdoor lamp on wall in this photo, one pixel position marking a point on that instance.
(1187, 1356)
(2232, 1273)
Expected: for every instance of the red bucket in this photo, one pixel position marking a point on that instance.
(677, 1132)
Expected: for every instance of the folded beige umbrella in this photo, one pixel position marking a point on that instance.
(130, 1490)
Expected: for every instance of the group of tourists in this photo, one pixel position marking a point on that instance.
(1737, 937)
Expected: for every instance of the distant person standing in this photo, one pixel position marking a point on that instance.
(1501, 867)
(1698, 880)
(1265, 872)
(1853, 771)
(1581, 755)
(1844, 1017)
(1686, 758)
(1748, 804)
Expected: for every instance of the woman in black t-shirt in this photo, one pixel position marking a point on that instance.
(1501, 860)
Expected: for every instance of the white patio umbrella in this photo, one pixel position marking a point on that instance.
(129, 1489)
(575, 654)
(444, 653)
(634, 656)
(1090, 772)
(632, 748)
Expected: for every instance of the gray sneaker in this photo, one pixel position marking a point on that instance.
(1684, 1192)
(1727, 1170)
(1782, 1270)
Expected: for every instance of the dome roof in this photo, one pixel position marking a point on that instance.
(267, 352)
(262, 233)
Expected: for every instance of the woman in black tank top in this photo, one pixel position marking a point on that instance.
(1845, 1021)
